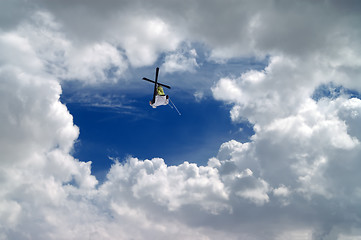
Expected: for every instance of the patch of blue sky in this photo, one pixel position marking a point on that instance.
(333, 91)
(116, 121)
(143, 132)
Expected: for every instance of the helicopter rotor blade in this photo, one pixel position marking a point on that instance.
(161, 84)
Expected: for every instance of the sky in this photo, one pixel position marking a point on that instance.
(267, 145)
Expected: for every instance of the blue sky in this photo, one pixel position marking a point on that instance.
(119, 122)
(268, 138)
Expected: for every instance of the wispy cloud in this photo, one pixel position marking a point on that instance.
(94, 99)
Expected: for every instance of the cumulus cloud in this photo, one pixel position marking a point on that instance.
(118, 33)
(37, 134)
(173, 186)
(144, 39)
(298, 141)
(91, 63)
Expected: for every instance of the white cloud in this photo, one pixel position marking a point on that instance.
(104, 59)
(145, 38)
(37, 134)
(97, 63)
(257, 193)
(65, 59)
(173, 186)
(282, 191)
(301, 147)
(180, 61)
(198, 95)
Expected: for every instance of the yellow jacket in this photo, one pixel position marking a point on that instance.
(160, 91)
